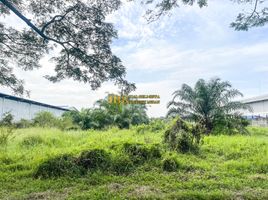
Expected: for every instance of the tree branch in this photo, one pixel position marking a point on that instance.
(254, 10)
(27, 21)
(54, 19)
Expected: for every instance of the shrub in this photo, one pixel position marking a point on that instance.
(157, 125)
(23, 123)
(141, 129)
(65, 124)
(140, 153)
(105, 114)
(170, 164)
(74, 115)
(6, 134)
(122, 164)
(7, 119)
(155, 151)
(31, 141)
(45, 119)
(63, 165)
(95, 159)
(122, 122)
(183, 137)
(230, 125)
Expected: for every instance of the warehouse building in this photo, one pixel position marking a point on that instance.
(22, 108)
(259, 113)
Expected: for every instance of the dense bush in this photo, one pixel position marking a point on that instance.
(63, 165)
(65, 124)
(157, 125)
(122, 122)
(23, 123)
(230, 125)
(95, 159)
(7, 119)
(183, 137)
(92, 118)
(140, 153)
(142, 128)
(105, 114)
(170, 164)
(45, 119)
(122, 164)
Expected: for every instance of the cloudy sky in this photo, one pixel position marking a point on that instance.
(189, 44)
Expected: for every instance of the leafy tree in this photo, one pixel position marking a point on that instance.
(75, 28)
(257, 17)
(208, 103)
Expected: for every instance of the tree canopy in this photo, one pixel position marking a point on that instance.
(77, 28)
(258, 16)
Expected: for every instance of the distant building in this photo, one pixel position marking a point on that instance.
(259, 114)
(22, 108)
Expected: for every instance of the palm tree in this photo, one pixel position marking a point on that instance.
(207, 103)
(124, 114)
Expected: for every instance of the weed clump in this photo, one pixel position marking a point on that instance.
(183, 137)
(155, 126)
(139, 153)
(170, 164)
(6, 134)
(63, 165)
(122, 164)
(94, 159)
(31, 141)
(142, 128)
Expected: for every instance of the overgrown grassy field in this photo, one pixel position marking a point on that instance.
(227, 167)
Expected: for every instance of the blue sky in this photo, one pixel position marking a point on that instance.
(190, 44)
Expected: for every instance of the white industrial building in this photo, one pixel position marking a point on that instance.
(259, 113)
(22, 108)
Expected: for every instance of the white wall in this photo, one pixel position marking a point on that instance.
(23, 110)
(259, 108)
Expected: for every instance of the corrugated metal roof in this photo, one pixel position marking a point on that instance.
(6, 96)
(256, 99)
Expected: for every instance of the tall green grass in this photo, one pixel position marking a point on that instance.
(227, 167)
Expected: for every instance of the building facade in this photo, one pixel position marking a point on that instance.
(22, 108)
(259, 114)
